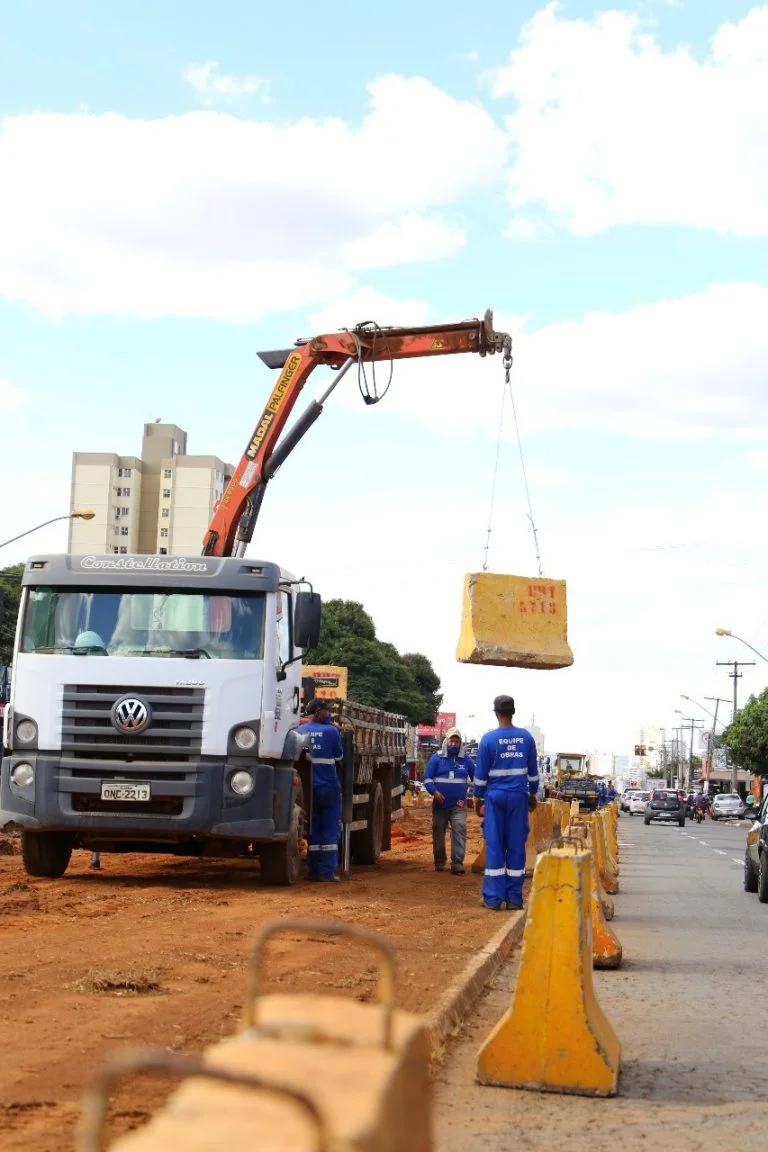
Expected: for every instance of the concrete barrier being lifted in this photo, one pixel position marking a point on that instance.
(555, 1037)
(306, 1072)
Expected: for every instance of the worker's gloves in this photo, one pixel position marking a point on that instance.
(480, 808)
(531, 801)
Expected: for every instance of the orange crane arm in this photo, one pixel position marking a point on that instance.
(235, 515)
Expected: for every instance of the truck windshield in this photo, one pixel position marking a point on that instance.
(127, 622)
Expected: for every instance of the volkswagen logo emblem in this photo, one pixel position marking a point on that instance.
(130, 715)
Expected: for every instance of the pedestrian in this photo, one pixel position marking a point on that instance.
(506, 781)
(325, 826)
(446, 777)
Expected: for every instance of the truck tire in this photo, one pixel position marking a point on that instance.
(366, 844)
(45, 853)
(281, 862)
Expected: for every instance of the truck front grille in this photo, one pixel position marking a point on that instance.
(175, 732)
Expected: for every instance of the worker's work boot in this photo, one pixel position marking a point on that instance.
(457, 869)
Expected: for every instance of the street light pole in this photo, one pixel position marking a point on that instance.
(727, 632)
(78, 514)
(717, 701)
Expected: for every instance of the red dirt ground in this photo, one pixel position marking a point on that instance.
(188, 926)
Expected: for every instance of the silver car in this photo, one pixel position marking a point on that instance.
(728, 805)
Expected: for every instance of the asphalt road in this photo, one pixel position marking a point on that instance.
(694, 1057)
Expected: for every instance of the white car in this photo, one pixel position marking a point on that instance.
(637, 803)
(728, 804)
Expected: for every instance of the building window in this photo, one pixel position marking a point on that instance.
(115, 549)
(123, 491)
(123, 531)
(166, 493)
(166, 473)
(116, 531)
(116, 512)
(125, 511)
(165, 513)
(123, 551)
(163, 551)
(163, 531)
(124, 472)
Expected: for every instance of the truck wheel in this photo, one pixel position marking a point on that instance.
(762, 880)
(45, 853)
(281, 862)
(750, 875)
(366, 844)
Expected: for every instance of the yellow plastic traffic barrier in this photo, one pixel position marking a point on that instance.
(514, 622)
(306, 1072)
(407, 798)
(606, 948)
(539, 835)
(555, 1037)
(610, 856)
(611, 830)
(608, 876)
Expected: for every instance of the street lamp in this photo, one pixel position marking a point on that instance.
(727, 632)
(78, 514)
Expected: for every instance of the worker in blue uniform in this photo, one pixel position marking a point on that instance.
(325, 827)
(506, 782)
(446, 778)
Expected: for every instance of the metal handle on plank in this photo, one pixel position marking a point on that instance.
(387, 967)
(90, 1132)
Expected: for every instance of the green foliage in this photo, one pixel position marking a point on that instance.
(378, 674)
(10, 582)
(656, 773)
(747, 737)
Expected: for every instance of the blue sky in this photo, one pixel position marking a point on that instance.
(182, 184)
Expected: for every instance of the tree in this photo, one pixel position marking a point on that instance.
(378, 674)
(10, 583)
(427, 680)
(747, 737)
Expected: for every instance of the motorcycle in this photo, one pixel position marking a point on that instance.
(699, 815)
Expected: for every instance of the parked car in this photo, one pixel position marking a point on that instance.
(667, 805)
(624, 799)
(637, 803)
(727, 805)
(756, 855)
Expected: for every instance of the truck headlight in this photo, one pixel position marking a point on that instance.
(245, 738)
(26, 731)
(23, 774)
(242, 783)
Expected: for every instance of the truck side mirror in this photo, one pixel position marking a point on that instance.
(306, 619)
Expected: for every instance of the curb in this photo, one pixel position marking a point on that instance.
(455, 1003)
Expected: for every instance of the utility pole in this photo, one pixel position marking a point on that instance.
(711, 750)
(678, 758)
(690, 720)
(735, 676)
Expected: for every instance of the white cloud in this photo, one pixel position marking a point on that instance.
(368, 304)
(610, 128)
(208, 215)
(201, 77)
(692, 368)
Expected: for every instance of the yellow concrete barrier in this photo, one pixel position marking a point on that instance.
(555, 1037)
(306, 1072)
(514, 622)
(606, 947)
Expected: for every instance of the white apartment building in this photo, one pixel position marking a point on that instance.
(160, 502)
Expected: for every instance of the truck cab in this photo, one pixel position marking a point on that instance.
(155, 706)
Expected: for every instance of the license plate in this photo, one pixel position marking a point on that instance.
(125, 793)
